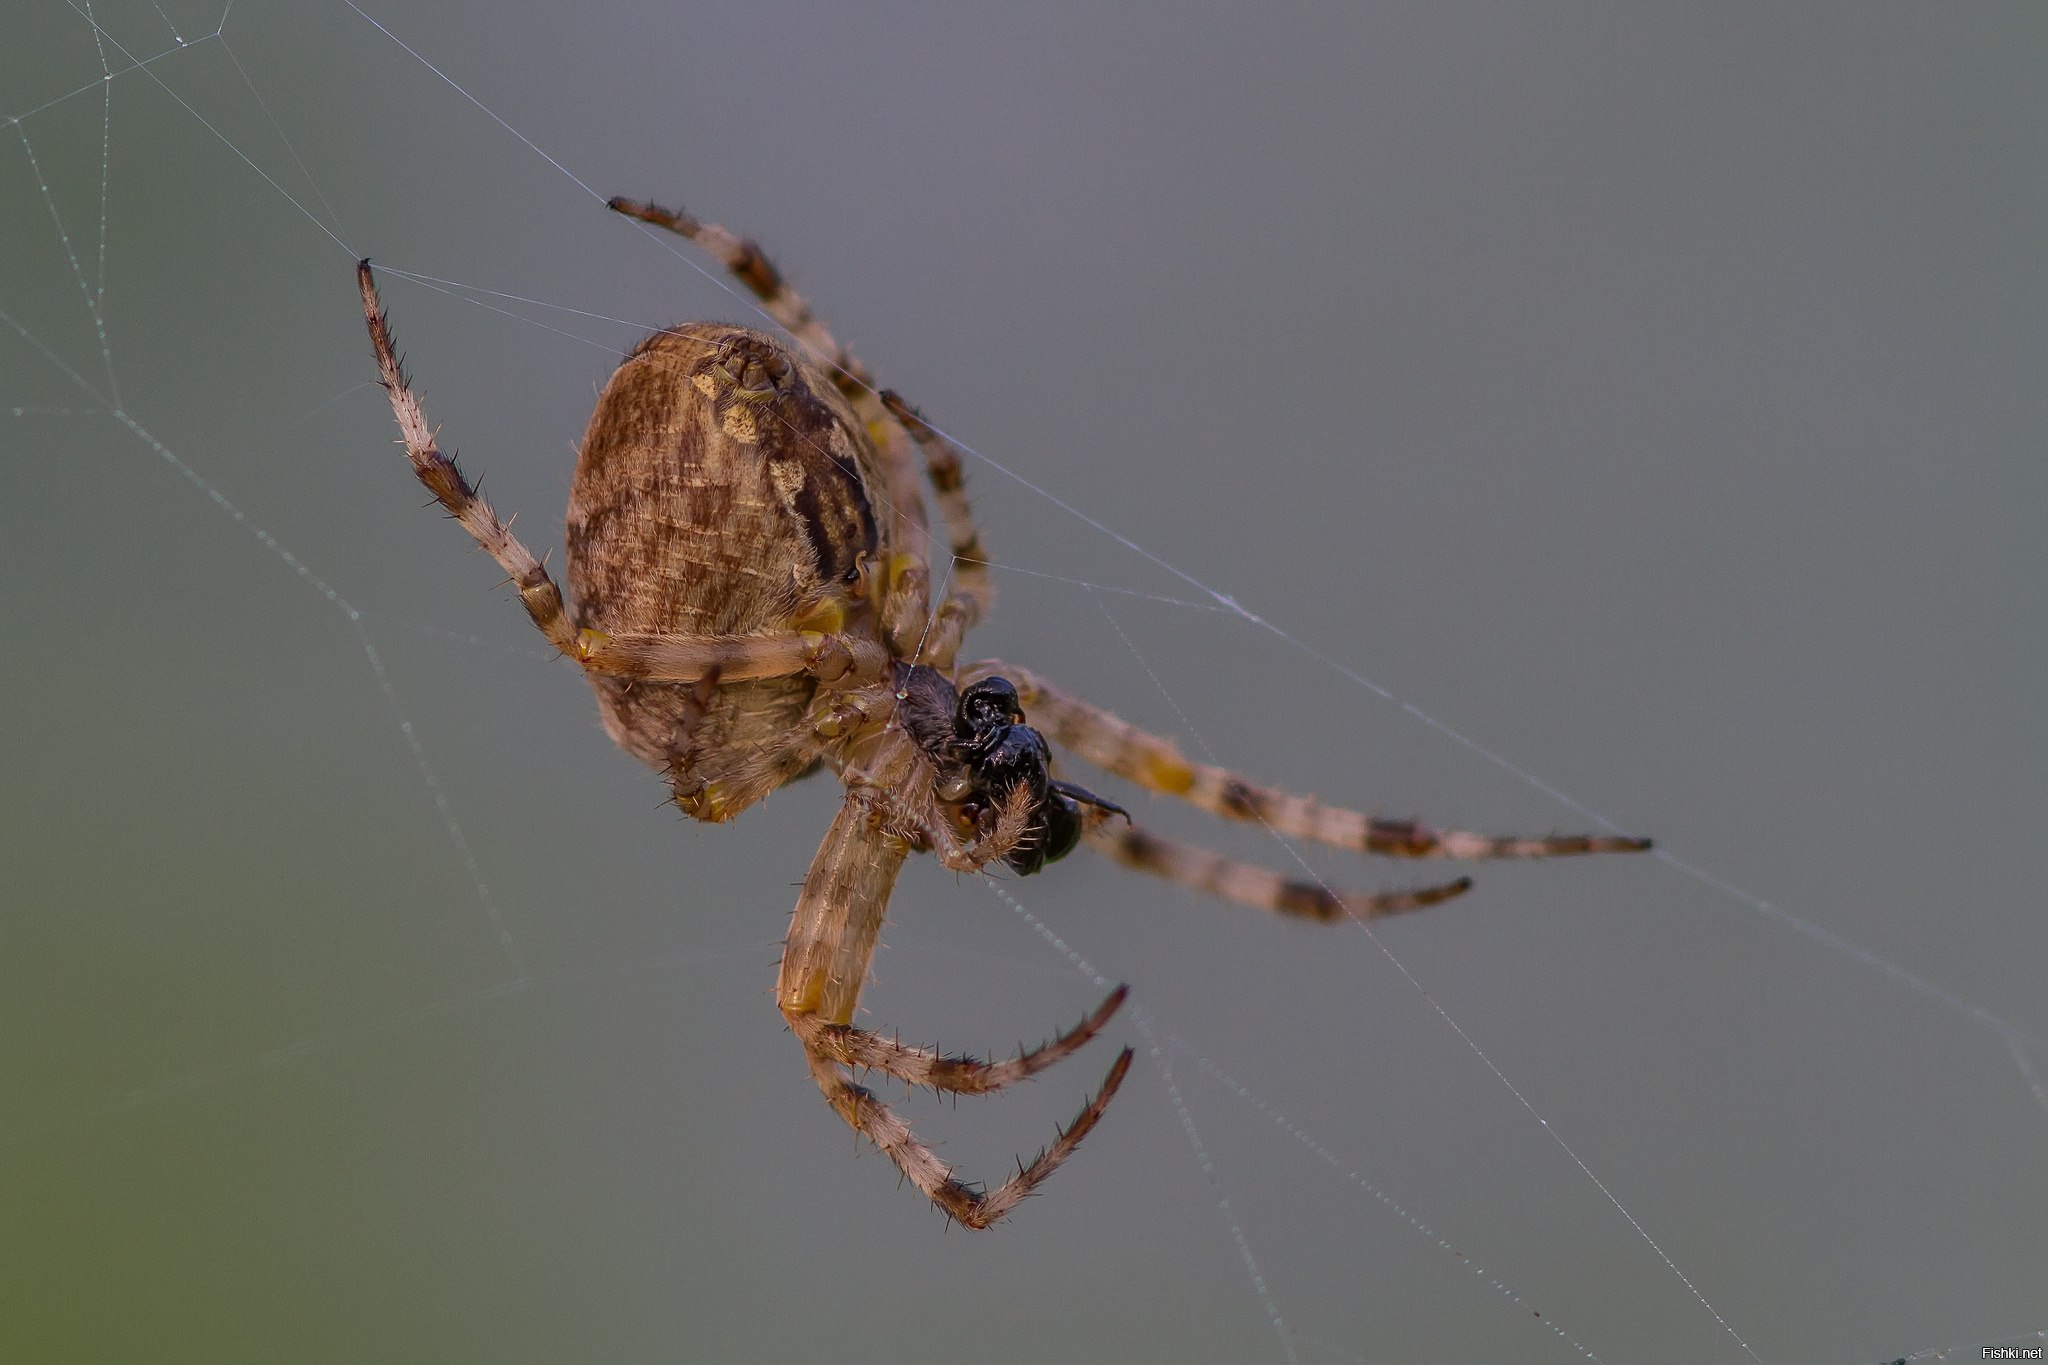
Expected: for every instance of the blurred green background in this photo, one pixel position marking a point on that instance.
(1652, 394)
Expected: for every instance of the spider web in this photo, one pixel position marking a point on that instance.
(1605, 424)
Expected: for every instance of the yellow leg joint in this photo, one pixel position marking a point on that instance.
(1168, 773)
(827, 617)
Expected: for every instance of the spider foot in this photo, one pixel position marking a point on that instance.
(847, 1045)
(1412, 839)
(1259, 887)
(829, 1048)
(980, 1210)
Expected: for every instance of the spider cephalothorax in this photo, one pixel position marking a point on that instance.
(752, 569)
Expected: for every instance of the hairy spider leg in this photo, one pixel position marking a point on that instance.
(1260, 888)
(959, 1075)
(825, 961)
(543, 600)
(1158, 765)
(734, 658)
(973, 593)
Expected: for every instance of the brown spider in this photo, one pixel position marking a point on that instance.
(752, 569)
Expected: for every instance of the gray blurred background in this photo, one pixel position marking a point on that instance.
(1651, 394)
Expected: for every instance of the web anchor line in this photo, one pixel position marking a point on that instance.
(1429, 998)
(2028, 1074)
(1162, 1043)
(1329, 1158)
(507, 946)
(1164, 1061)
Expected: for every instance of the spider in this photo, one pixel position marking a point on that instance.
(753, 575)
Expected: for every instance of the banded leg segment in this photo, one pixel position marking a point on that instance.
(537, 591)
(955, 854)
(1248, 884)
(733, 658)
(858, 1047)
(824, 964)
(747, 263)
(1158, 765)
(973, 589)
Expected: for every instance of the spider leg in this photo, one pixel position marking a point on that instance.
(973, 592)
(1158, 765)
(1248, 884)
(748, 264)
(921, 1165)
(735, 658)
(1012, 824)
(543, 600)
(859, 1047)
(824, 963)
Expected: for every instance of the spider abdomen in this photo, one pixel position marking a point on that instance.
(722, 488)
